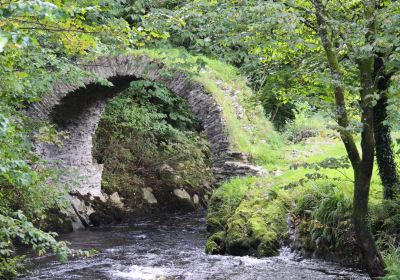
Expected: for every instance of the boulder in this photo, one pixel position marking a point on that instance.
(183, 200)
(116, 200)
(149, 196)
(182, 194)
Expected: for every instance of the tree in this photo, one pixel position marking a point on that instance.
(362, 165)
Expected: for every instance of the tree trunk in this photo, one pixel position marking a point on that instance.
(363, 167)
(274, 113)
(363, 173)
(365, 239)
(384, 147)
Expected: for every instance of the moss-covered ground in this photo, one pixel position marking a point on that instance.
(307, 192)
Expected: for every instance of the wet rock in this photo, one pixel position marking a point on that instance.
(116, 200)
(149, 196)
(99, 218)
(182, 194)
(215, 243)
(88, 210)
(59, 222)
(196, 199)
(80, 212)
(105, 213)
(183, 200)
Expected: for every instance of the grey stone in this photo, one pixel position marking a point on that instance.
(166, 168)
(182, 194)
(149, 196)
(196, 199)
(116, 200)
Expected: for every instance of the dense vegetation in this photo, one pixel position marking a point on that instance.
(326, 73)
(148, 137)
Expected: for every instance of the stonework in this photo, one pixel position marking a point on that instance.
(77, 111)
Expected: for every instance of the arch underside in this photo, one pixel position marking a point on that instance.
(77, 111)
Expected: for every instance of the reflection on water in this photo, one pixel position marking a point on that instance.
(171, 247)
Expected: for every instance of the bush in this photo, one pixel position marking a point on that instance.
(28, 190)
(385, 218)
(331, 218)
(11, 267)
(306, 124)
(323, 221)
(278, 113)
(16, 227)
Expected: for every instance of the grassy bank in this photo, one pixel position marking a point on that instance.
(308, 189)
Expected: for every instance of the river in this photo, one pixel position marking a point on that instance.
(171, 246)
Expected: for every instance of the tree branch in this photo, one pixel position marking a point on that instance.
(50, 28)
(340, 102)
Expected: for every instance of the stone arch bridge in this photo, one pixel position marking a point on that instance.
(77, 110)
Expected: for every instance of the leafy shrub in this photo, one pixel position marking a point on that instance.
(331, 218)
(11, 267)
(28, 189)
(16, 227)
(278, 112)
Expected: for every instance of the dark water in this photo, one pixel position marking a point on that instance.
(171, 247)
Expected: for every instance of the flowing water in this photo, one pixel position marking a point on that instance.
(171, 247)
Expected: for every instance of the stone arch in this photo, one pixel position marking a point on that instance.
(77, 110)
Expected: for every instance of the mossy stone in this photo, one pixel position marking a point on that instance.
(216, 243)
